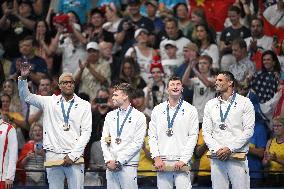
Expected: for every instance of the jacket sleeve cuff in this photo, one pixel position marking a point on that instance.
(73, 157)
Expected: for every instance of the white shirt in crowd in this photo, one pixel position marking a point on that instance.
(201, 95)
(180, 42)
(132, 136)
(55, 138)
(239, 124)
(264, 43)
(180, 145)
(8, 151)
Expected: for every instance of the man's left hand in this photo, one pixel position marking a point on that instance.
(8, 184)
(67, 161)
(178, 165)
(223, 153)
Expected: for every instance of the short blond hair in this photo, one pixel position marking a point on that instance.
(65, 74)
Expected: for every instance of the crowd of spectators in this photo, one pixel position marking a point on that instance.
(144, 42)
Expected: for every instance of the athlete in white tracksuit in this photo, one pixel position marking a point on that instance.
(67, 126)
(8, 154)
(126, 128)
(228, 124)
(175, 146)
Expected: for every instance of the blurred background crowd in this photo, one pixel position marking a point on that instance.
(144, 42)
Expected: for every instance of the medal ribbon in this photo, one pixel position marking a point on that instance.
(223, 117)
(119, 130)
(66, 116)
(171, 122)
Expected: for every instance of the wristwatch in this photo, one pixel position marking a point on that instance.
(118, 165)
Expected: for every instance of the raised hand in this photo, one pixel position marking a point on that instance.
(25, 69)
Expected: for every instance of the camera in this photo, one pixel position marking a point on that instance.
(155, 88)
(201, 91)
(38, 146)
(101, 100)
(63, 20)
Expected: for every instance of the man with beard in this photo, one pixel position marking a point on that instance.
(228, 124)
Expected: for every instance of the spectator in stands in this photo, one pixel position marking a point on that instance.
(274, 153)
(265, 82)
(92, 73)
(281, 55)
(9, 145)
(172, 62)
(130, 73)
(100, 109)
(244, 67)
(18, 23)
(152, 10)
(246, 8)
(139, 103)
(10, 88)
(71, 48)
(258, 40)
(190, 53)
(113, 18)
(257, 143)
(128, 25)
(197, 16)
(38, 64)
(167, 5)
(237, 30)
(207, 43)
(45, 45)
(80, 7)
(5, 63)
(98, 33)
(184, 23)
(13, 118)
(274, 20)
(44, 89)
(32, 157)
(202, 84)
(141, 52)
(173, 33)
(156, 90)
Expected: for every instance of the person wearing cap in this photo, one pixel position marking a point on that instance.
(173, 33)
(67, 126)
(122, 138)
(173, 132)
(92, 73)
(141, 52)
(172, 62)
(156, 90)
(9, 154)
